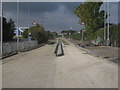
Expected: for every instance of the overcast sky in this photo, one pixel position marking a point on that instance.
(53, 16)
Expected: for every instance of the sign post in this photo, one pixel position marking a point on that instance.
(34, 24)
(82, 30)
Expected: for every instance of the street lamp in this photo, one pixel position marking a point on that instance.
(28, 22)
(18, 24)
(104, 23)
(108, 39)
(1, 32)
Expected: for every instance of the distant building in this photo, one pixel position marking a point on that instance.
(68, 32)
(78, 31)
(60, 35)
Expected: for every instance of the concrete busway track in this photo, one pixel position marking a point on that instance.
(40, 68)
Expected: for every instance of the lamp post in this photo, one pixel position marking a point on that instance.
(105, 23)
(1, 32)
(108, 39)
(28, 22)
(18, 24)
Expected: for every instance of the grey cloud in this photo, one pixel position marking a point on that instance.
(54, 16)
(35, 7)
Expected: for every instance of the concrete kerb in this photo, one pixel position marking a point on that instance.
(89, 52)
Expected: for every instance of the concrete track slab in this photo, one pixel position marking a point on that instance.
(39, 68)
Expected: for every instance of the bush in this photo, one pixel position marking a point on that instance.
(38, 33)
(77, 36)
(114, 35)
(25, 33)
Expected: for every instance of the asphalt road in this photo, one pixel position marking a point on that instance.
(39, 68)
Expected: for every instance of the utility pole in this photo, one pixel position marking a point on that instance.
(18, 24)
(105, 23)
(108, 39)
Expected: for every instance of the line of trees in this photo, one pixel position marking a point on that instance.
(37, 32)
(114, 37)
(68, 32)
(93, 18)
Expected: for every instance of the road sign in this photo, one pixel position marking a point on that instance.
(34, 23)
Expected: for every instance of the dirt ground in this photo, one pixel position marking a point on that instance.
(106, 52)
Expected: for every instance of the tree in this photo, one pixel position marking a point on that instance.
(5, 31)
(38, 33)
(8, 29)
(34, 30)
(11, 26)
(90, 14)
(114, 34)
